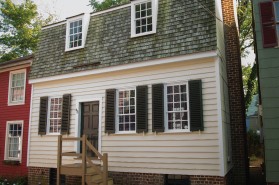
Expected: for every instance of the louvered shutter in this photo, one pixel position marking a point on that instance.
(196, 105)
(268, 24)
(110, 111)
(66, 113)
(142, 109)
(43, 115)
(158, 108)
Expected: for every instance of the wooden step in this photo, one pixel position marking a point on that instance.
(75, 169)
(100, 182)
(71, 154)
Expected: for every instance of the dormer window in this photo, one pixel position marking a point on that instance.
(75, 35)
(144, 17)
(76, 32)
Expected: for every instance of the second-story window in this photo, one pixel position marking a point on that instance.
(76, 32)
(75, 35)
(17, 87)
(144, 17)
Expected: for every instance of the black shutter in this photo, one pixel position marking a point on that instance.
(43, 115)
(110, 111)
(268, 24)
(66, 113)
(196, 105)
(142, 109)
(158, 108)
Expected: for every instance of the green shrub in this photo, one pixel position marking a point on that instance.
(13, 180)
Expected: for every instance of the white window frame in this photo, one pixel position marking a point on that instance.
(6, 155)
(22, 102)
(48, 116)
(117, 112)
(167, 130)
(154, 4)
(85, 21)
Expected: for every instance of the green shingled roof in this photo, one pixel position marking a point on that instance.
(183, 27)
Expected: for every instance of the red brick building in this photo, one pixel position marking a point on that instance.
(15, 93)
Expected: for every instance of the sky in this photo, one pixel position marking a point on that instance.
(61, 8)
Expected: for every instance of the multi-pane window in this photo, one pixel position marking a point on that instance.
(17, 87)
(14, 140)
(126, 110)
(55, 114)
(177, 107)
(75, 34)
(276, 5)
(143, 17)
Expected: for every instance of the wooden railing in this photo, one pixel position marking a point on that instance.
(86, 161)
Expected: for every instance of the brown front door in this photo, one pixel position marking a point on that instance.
(90, 123)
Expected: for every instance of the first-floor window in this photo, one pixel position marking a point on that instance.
(14, 140)
(55, 114)
(126, 117)
(177, 107)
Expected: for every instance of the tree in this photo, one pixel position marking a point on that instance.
(105, 4)
(20, 26)
(245, 23)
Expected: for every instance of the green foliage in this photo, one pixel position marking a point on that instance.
(20, 26)
(14, 181)
(106, 4)
(250, 83)
(245, 23)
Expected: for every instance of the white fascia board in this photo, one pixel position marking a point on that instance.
(183, 58)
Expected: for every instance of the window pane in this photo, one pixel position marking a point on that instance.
(170, 107)
(170, 125)
(170, 89)
(143, 22)
(143, 13)
(138, 23)
(149, 12)
(143, 29)
(170, 98)
(149, 5)
(133, 127)
(143, 6)
(137, 14)
(137, 7)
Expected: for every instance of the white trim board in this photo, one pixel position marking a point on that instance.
(78, 118)
(183, 58)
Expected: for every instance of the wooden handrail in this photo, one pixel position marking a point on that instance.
(93, 149)
(85, 159)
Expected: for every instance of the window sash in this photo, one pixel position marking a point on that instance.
(17, 87)
(75, 34)
(177, 107)
(14, 141)
(145, 22)
(126, 102)
(55, 115)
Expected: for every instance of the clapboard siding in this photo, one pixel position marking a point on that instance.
(180, 153)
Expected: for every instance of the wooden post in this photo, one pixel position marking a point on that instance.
(83, 158)
(59, 159)
(105, 169)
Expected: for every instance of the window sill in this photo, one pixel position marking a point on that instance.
(72, 49)
(11, 162)
(142, 34)
(15, 103)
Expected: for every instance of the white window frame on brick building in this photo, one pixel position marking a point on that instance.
(54, 118)
(14, 135)
(140, 17)
(77, 25)
(17, 83)
(172, 112)
(120, 100)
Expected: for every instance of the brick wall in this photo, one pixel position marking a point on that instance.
(121, 178)
(38, 175)
(236, 97)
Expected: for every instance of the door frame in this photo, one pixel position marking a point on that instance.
(79, 102)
